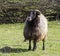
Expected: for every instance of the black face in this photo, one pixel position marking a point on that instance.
(33, 14)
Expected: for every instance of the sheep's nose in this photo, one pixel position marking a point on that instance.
(29, 19)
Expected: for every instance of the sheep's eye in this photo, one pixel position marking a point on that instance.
(34, 13)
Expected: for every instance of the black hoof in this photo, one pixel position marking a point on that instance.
(43, 49)
(29, 49)
(34, 49)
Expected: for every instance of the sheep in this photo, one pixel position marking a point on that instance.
(36, 28)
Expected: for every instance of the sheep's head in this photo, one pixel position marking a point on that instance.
(33, 14)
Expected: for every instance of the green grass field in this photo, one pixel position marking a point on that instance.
(11, 35)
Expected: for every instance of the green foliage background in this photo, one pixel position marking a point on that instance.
(12, 11)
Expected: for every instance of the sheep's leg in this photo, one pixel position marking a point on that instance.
(34, 45)
(29, 44)
(43, 44)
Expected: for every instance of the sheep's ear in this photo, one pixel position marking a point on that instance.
(38, 12)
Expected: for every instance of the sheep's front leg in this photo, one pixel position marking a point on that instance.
(43, 44)
(34, 45)
(29, 44)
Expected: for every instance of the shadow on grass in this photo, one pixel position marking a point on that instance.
(12, 50)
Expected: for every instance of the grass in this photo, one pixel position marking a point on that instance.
(11, 35)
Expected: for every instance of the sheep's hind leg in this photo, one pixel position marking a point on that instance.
(29, 44)
(43, 48)
(34, 45)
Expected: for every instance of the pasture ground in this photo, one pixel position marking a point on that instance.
(12, 41)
